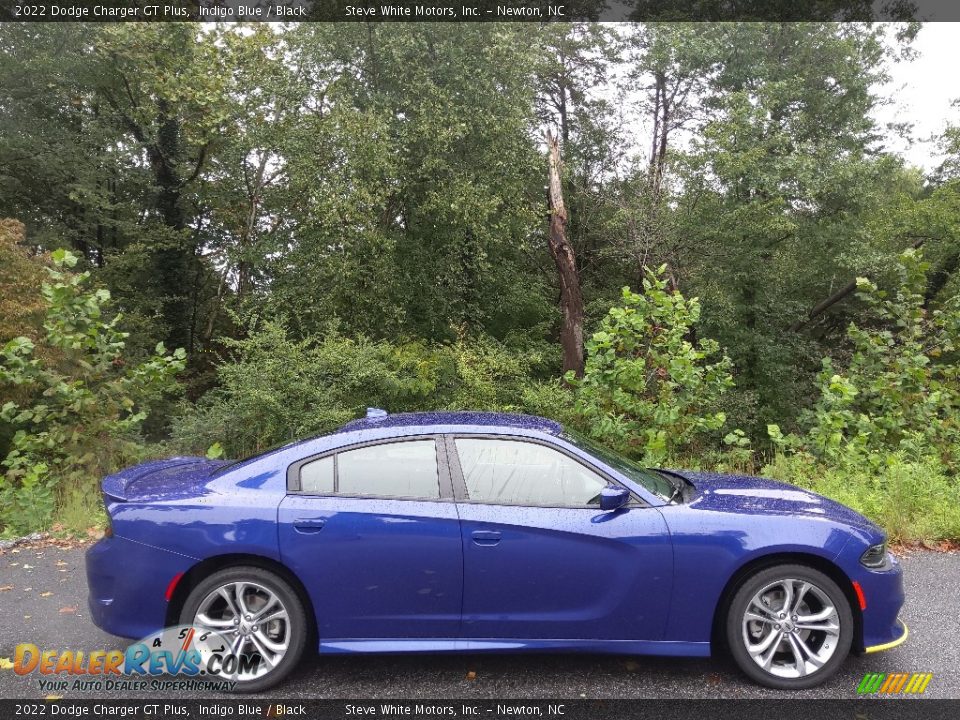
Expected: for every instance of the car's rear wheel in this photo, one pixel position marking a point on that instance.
(259, 616)
(789, 627)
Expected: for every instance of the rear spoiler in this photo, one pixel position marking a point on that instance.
(116, 486)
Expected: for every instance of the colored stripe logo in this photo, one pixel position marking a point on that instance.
(894, 683)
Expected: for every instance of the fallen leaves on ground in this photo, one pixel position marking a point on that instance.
(54, 697)
(472, 675)
(4, 588)
(5, 664)
(48, 540)
(67, 609)
(46, 594)
(912, 546)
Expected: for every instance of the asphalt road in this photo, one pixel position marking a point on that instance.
(43, 601)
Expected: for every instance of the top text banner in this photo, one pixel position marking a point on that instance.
(474, 10)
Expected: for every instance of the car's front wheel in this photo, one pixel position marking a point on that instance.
(789, 627)
(261, 620)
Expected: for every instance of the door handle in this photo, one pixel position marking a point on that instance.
(485, 537)
(309, 525)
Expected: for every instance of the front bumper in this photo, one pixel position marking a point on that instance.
(127, 582)
(883, 591)
(893, 643)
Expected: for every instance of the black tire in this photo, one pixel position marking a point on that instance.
(298, 623)
(735, 632)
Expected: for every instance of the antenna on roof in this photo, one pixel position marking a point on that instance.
(376, 413)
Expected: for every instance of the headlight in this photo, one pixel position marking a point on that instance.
(876, 557)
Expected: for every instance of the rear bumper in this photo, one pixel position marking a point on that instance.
(127, 582)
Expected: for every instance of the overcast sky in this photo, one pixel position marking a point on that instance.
(921, 92)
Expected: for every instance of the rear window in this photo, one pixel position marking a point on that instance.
(401, 470)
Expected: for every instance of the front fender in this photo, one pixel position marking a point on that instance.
(710, 548)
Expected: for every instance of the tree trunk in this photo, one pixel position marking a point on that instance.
(571, 297)
(841, 294)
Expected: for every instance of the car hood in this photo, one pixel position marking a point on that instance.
(762, 496)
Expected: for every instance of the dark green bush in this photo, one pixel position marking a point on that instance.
(274, 389)
(86, 403)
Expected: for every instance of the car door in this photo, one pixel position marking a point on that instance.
(541, 560)
(372, 531)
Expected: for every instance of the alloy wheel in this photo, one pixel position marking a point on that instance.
(791, 628)
(253, 620)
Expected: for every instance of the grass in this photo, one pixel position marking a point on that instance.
(79, 511)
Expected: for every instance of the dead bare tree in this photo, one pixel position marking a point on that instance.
(571, 296)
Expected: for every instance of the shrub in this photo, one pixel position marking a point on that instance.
(86, 403)
(647, 389)
(900, 391)
(274, 389)
(21, 305)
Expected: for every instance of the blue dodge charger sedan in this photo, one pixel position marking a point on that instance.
(469, 532)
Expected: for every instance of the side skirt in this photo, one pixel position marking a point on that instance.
(509, 645)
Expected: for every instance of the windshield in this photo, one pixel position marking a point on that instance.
(652, 481)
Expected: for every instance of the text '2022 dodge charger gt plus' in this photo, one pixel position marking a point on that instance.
(438, 532)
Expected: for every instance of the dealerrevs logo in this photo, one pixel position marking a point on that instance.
(179, 651)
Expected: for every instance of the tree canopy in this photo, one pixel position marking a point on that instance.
(366, 208)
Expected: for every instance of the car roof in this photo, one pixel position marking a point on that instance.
(377, 419)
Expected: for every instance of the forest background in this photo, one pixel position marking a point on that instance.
(692, 241)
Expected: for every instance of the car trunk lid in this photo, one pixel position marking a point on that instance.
(169, 479)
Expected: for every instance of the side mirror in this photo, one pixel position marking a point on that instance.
(612, 498)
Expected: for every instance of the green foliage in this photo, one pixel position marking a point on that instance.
(276, 389)
(900, 390)
(86, 401)
(882, 436)
(79, 510)
(21, 304)
(774, 195)
(375, 195)
(416, 194)
(646, 387)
